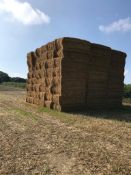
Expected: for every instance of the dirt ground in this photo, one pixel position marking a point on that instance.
(36, 141)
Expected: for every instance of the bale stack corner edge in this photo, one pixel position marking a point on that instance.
(71, 74)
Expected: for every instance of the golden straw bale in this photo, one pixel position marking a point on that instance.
(50, 55)
(56, 72)
(42, 88)
(49, 72)
(38, 52)
(48, 82)
(43, 49)
(48, 104)
(55, 99)
(48, 96)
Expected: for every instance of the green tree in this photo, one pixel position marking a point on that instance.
(127, 91)
(18, 80)
(4, 77)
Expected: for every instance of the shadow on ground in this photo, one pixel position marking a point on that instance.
(121, 114)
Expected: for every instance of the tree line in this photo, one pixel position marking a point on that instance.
(4, 77)
(127, 90)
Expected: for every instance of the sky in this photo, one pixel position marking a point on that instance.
(28, 24)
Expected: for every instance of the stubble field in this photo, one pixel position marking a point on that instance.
(36, 140)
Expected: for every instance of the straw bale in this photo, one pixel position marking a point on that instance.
(57, 62)
(49, 72)
(48, 81)
(56, 72)
(49, 104)
(48, 96)
(43, 49)
(38, 52)
(51, 46)
(42, 88)
(55, 99)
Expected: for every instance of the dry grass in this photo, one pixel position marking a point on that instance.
(36, 140)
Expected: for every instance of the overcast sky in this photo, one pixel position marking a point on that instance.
(28, 24)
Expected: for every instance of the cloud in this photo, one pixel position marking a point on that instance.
(125, 72)
(23, 12)
(16, 74)
(123, 25)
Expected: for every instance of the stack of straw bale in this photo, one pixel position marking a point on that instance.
(69, 74)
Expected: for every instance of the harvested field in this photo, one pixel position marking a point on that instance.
(36, 140)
